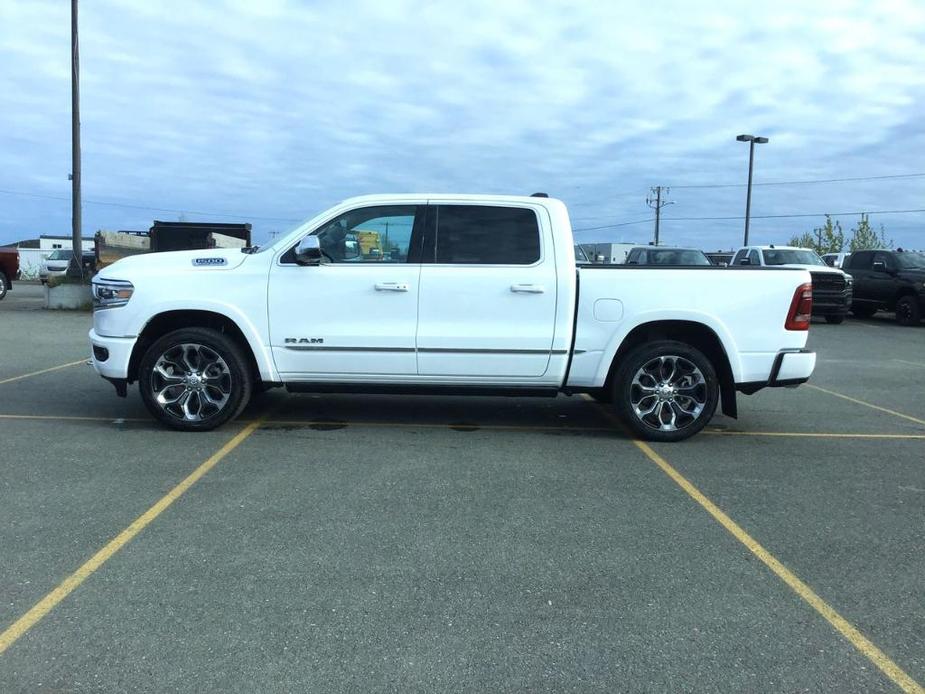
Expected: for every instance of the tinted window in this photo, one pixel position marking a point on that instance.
(753, 258)
(368, 235)
(482, 235)
(860, 260)
(738, 257)
(886, 259)
(908, 260)
(789, 256)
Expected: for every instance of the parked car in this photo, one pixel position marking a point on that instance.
(9, 269)
(888, 281)
(721, 258)
(55, 265)
(836, 259)
(484, 297)
(663, 255)
(832, 288)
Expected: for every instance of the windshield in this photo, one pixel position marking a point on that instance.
(677, 257)
(907, 261)
(791, 256)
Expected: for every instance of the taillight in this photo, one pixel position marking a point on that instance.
(801, 308)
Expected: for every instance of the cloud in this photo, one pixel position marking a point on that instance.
(278, 109)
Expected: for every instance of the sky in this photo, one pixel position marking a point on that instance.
(270, 111)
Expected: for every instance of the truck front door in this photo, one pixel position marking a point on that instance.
(487, 307)
(356, 312)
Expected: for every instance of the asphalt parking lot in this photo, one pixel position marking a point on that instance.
(373, 543)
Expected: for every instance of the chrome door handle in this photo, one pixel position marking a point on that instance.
(391, 287)
(528, 288)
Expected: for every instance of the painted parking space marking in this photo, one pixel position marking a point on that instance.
(43, 371)
(268, 424)
(889, 668)
(886, 665)
(12, 633)
(866, 404)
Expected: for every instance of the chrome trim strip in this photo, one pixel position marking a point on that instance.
(424, 350)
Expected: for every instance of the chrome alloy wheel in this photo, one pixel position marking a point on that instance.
(191, 382)
(668, 393)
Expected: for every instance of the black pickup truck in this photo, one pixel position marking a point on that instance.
(888, 281)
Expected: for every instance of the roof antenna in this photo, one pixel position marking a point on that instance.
(540, 195)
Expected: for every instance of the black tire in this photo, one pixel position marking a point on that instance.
(212, 367)
(835, 320)
(863, 311)
(4, 285)
(703, 396)
(907, 310)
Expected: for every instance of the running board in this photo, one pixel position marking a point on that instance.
(423, 389)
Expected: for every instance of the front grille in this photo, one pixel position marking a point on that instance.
(828, 281)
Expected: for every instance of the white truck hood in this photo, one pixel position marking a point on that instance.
(147, 264)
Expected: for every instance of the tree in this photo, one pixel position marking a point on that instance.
(864, 236)
(804, 240)
(829, 238)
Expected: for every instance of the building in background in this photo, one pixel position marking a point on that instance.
(33, 252)
(608, 253)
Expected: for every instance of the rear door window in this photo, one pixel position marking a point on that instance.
(485, 235)
(860, 260)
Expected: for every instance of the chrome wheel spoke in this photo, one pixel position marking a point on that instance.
(668, 393)
(191, 382)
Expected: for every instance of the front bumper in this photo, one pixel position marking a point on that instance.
(828, 303)
(111, 355)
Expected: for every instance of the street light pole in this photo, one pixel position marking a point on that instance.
(752, 141)
(75, 268)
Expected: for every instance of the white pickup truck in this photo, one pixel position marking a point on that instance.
(459, 294)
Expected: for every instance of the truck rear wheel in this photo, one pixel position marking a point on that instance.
(666, 391)
(835, 319)
(195, 379)
(3, 285)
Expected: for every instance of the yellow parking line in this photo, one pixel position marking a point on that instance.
(866, 404)
(474, 425)
(889, 668)
(43, 371)
(842, 625)
(68, 585)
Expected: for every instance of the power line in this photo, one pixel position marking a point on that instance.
(150, 209)
(788, 216)
(763, 216)
(614, 226)
(803, 182)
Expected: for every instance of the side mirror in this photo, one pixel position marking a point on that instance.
(880, 266)
(308, 252)
(745, 261)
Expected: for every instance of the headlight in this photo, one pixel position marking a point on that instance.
(849, 280)
(111, 293)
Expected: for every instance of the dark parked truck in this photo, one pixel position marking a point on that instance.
(888, 281)
(9, 269)
(832, 288)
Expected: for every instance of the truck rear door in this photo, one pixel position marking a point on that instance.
(487, 305)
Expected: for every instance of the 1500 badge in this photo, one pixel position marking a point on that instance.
(304, 340)
(209, 261)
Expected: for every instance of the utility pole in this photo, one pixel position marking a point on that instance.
(75, 269)
(656, 203)
(752, 140)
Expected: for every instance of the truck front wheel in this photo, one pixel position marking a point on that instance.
(666, 390)
(194, 379)
(3, 285)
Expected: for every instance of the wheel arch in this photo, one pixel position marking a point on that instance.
(167, 321)
(693, 333)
